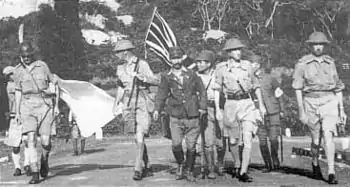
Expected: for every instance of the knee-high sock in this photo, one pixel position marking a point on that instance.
(33, 158)
(46, 151)
(330, 151)
(139, 155)
(26, 156)
(246, 152)
(16, 157)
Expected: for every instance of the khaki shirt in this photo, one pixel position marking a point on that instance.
(209, 83)
(124, 73)
(229, 72)
(314, 74)
(34, 80)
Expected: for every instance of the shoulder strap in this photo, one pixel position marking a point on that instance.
(211, 78)
(134, 82)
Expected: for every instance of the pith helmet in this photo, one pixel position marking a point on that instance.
(175, 52)
(233, 43)
(8, 70)
(123, 45)
(26, 49)
(318, 37)
(206, 55)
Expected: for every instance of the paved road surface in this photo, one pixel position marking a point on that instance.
(110, 163)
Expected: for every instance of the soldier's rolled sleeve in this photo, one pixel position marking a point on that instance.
(202, 93)
(298, 77)
(218, 80)
(339, 86)
(162, 94)
(146, 71)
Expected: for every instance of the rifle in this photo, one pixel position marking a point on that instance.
(281, 139)
(204, 156)
(321, 134)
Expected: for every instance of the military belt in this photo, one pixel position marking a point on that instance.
(318, 94)
(237, 96)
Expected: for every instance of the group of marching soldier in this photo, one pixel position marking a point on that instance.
(193, 100)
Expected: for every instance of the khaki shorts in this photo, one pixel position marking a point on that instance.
(327, 108)
(138, 114)
(37, 116)
(240, 117)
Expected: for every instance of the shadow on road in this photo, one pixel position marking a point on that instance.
(91, 151)
(71, 169)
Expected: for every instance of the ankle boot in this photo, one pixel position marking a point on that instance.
(179, 172)
(75, 147)
(211, 165)
(265, 153)
(274, 154)
(82, 145)
(35, 178)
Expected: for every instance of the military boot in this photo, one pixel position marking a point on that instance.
(274, 154)
(44, 167)
(265, 153)
(27, 170)
(17, 172)
(332, 179)
(35, 178)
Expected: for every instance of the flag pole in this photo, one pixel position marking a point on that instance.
(149, 26)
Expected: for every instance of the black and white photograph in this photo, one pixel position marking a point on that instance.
(175, 93)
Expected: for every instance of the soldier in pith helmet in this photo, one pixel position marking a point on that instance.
(319, 95)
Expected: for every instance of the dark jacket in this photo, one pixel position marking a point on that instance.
(268, 85)
(183, 100)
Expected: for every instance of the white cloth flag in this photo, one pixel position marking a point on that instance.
(91, 105)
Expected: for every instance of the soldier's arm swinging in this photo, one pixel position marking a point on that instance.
(18, 98)
(162, 94)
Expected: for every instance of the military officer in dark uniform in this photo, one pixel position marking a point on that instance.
(186, 98)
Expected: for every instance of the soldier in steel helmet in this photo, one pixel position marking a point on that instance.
(320, 100)
(212, 134)
(34, 107)
(15, 137)
(186, 98)
(134, 78)
(235, 79)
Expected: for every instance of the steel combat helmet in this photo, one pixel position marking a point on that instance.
(318, 38)
(175, 52)
(233, 43)
(206, 55)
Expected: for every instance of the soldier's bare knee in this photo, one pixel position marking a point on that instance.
(45, 140)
